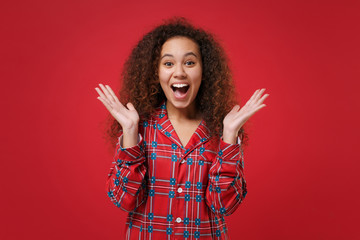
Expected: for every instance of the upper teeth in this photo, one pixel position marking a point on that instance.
(180, 85)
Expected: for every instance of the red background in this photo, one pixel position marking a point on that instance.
(302, 161)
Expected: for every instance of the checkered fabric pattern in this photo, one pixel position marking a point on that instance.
(176, 192)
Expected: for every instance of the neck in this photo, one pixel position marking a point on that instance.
(181, 114)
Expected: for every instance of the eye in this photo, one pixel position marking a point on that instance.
(188, 63)
(168, 64)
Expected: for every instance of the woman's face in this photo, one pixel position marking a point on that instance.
(180, 71)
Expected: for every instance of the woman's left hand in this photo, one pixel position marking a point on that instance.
(237, 117)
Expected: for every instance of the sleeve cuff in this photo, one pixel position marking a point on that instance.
(238, 141)
(131, 153)
(228, 150)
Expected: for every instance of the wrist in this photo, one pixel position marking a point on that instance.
(129, 130)
(230, 136)
(130, 137)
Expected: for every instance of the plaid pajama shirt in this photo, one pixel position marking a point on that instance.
(176, 192)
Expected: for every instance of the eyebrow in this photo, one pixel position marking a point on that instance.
(186, 54)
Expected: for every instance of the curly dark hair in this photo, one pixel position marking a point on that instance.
(141, 85)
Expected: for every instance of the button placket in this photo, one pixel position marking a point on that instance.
(179, 190)
(182, 155)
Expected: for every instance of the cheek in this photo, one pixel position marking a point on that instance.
(164, 75)
(197, 76)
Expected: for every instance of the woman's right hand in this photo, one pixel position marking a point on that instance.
(127, 116)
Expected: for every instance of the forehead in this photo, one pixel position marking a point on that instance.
(180, 44)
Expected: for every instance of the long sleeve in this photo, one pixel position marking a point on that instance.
(126, 184)
(227, 186)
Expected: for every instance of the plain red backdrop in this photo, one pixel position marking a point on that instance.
(302, 161)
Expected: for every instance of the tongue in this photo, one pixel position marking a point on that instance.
(180, 92)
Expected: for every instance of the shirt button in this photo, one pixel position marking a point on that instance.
(182, 161)
(179, 190)
(178, 220)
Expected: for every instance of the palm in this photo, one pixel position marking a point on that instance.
(237, 117)
(128, 117)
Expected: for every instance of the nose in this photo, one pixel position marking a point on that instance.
(179, 72)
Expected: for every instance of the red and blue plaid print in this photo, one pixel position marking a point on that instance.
(176, 192)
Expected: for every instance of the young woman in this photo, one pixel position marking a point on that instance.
(178, 164)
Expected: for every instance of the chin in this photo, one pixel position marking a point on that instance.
(180, 104)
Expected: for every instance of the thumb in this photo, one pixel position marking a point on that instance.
(235, 108)
(130, 106)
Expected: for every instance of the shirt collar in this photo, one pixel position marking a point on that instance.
(163, 124)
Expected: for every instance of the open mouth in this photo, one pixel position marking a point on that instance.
(180, 90)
